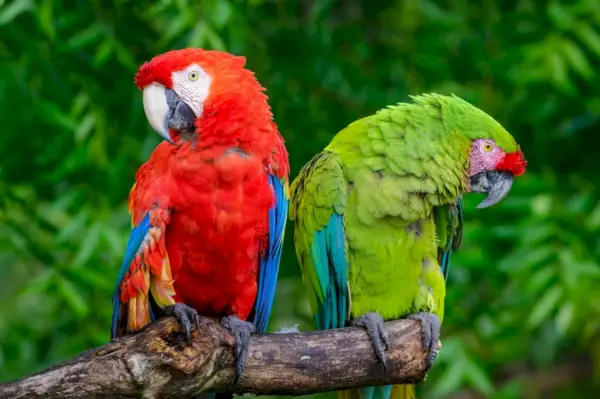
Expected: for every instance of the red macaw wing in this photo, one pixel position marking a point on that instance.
(145, 268)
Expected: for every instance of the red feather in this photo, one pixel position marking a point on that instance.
(513, 162)
(216, 186)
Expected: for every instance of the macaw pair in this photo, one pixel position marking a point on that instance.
(377, 214)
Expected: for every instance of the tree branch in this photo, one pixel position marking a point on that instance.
(158, 362)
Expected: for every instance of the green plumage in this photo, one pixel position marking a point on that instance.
(377, 213)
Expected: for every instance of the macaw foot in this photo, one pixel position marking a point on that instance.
(373, 322)
(430, 329)
(241, 331)
(185, 315)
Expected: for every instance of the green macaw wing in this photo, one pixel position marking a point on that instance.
(318, 205)
(449, 225)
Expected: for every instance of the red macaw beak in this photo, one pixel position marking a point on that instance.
(166, 111)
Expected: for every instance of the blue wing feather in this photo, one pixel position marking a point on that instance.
(330, 245)
(133, 244)
(269, 264)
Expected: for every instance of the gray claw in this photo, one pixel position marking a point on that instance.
(430, 327)
(185, 315)
(241, 331)
(373, 322)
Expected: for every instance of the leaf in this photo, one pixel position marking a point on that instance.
(198, 35)
(559, 72)
(592, 222)
(221, 13)
(53, 114)
(75, 227)
(510, 390)
(124, 56)
(450, 380)
(544, 306)
(215, 40)
(72, 297)
(560, 16)
(39, 283)
(14, 9)
(540, 280)
(174, 29)
(115, 241)
(103, 53)
(541, 205)
(95, 277)
(477, 376)
(577, 59)
(85, 128)
(526, 258)
(564, 318)
(88, 245)
(79, 104)
(85, 37)
(45, 18)
(589, 36)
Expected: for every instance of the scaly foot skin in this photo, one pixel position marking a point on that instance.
(430, 327)
(241, 331)
(185, 315)
(373, 322)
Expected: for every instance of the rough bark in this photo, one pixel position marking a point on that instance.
(158, 362)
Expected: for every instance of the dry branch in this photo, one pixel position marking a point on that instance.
(158, 363)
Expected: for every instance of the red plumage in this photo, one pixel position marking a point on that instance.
(214, 188)
(513, 162)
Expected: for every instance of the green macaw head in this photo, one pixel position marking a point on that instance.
(494, 158)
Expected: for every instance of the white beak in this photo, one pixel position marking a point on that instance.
(156, 109)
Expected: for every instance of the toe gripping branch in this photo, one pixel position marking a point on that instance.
(185, 315)
(373, 323)
(430, 330)
(241, 331)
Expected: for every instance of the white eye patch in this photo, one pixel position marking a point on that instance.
(192, 85)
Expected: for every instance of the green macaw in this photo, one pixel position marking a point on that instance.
(378, 213)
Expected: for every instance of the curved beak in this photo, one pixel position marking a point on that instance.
(495, 183)
(165, 110)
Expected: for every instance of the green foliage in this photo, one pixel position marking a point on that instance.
(522, 292)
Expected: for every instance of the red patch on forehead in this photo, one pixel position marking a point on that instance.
(160, 68)
(514, 162)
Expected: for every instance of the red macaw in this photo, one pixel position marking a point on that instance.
(210, 205)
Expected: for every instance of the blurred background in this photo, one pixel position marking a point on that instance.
(523, 303)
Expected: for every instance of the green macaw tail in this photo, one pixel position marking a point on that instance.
(404, 391)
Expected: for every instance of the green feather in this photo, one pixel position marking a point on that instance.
(389, 187)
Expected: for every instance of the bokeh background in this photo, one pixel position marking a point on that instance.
(523, 304)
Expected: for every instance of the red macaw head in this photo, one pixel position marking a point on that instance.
(178, 87)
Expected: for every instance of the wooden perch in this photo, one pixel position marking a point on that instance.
(158, 362)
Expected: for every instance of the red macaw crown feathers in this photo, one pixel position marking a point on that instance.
(160, 68)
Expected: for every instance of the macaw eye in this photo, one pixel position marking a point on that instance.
(193, 76)
(487, 147)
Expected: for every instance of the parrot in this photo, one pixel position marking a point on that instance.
(209, 206)
(378, 213)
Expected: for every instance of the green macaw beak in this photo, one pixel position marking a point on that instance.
(495, 183)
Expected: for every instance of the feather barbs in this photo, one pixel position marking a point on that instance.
(149, 270)
(160, 68)
(513, 162)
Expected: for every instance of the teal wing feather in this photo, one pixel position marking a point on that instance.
(449, 224)
(317, 206)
